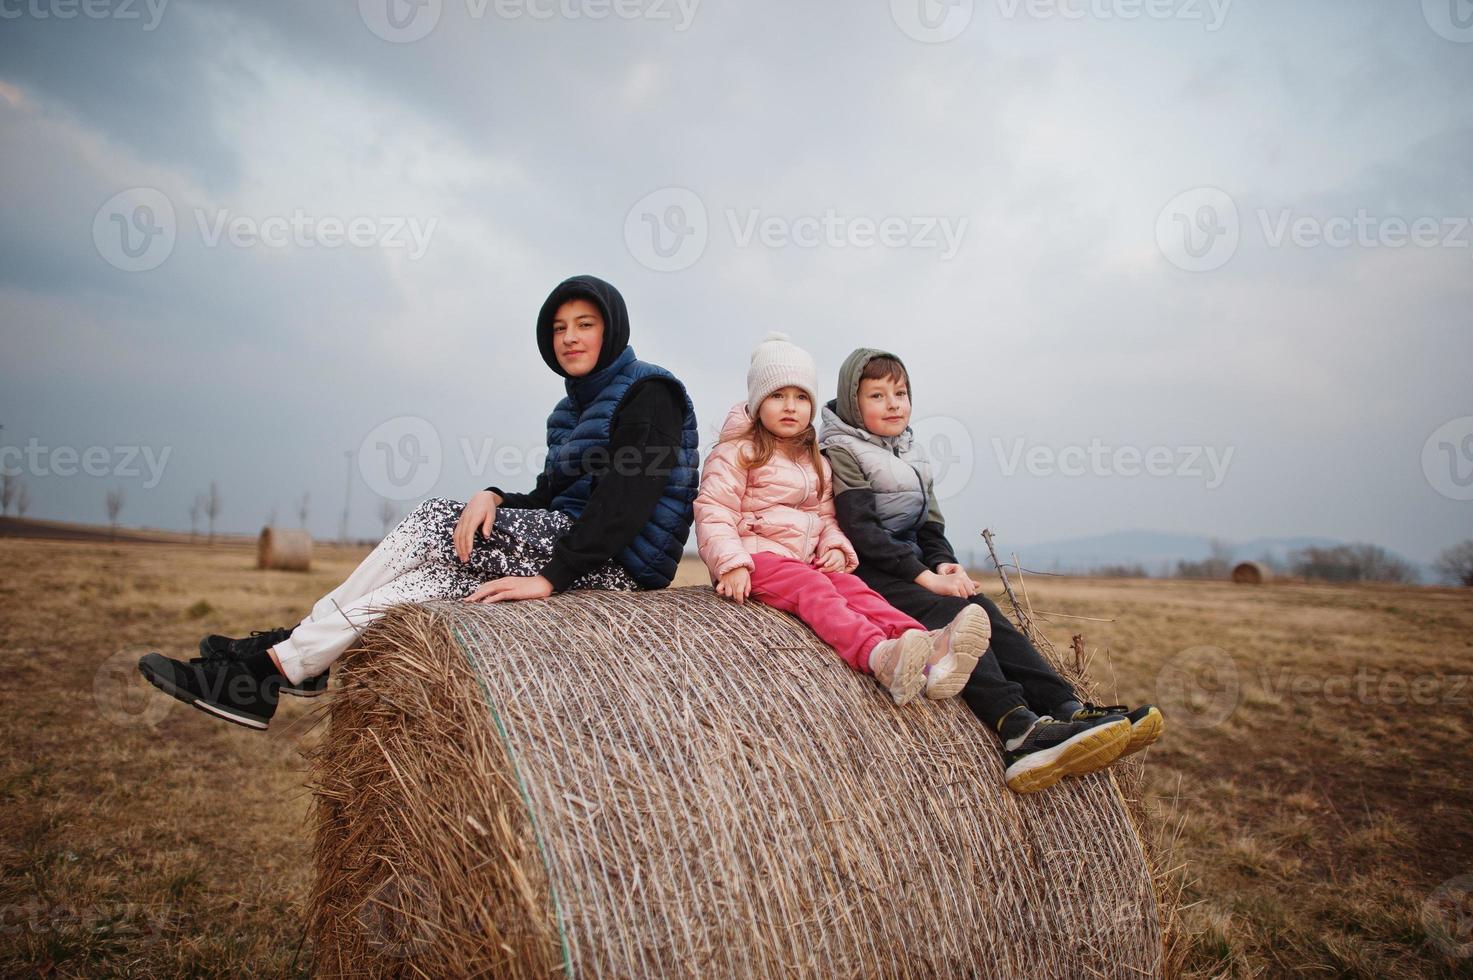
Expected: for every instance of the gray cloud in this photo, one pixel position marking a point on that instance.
(527, 142)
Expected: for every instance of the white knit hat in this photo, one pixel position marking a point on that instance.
(776, 363)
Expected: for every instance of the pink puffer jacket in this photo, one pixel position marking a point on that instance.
(774, 507)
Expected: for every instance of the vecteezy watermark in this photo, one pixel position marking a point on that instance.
(834, 230)
(111, 461)
(1366, 687)
(1206, 463)
(406, 21)
(400, 458)
(1204, 685)
(947, 444)
(1363, 230)
(400, 916)
(1199, 230)
(1211, 13)
(400, 21)
(1447, 458)
(123, 697)
(506, 460)
(668, 229)
(138, 924)
(1199, 687)
(136, 230)
(150, 12)
(1447, 916)
(1451, 19)
(303, 230)
(932, 21)
(938, 21)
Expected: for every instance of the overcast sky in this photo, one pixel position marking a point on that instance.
(1171, 264)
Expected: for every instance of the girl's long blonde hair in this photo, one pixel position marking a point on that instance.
(764, 444)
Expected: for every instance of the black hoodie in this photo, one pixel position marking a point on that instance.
(649, 421)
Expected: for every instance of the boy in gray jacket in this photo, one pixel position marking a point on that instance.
(887, 506)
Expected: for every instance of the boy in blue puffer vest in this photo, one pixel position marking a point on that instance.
(886, 504)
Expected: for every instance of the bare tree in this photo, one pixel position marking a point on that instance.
(302, 508)
(9, 487)
(1351, 563)
(212, 508)
(387, 513)
(1217, 564)
(1456, 563)
(23, 500)
(195, 510)
(114, 507)
(271, 518)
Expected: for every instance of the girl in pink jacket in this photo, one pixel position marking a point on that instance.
(766, 529)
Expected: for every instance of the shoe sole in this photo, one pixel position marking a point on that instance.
(1084, 753)
(910, 674)
(1145, 732)
(969, 641)
(179, 694)
(304, 692)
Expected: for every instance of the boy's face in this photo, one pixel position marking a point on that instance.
(577, 336)
(884, 405)
(786, 412)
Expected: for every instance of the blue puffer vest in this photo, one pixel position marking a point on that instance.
(581, 424)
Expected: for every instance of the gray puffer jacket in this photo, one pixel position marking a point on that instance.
(883, 493)
(893, 467)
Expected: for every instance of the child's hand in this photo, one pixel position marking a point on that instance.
(951, 568)
(830, 561)
(735, 584)
(953, 584)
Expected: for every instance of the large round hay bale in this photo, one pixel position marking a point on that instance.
(666, 784)
(1250, 573)
(285, 549)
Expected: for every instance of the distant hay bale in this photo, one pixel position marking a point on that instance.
(1250, 573)
(666, 784)
(285, 549)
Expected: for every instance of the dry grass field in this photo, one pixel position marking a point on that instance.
(1315, 786)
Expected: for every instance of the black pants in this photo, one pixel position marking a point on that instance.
(1015, 673)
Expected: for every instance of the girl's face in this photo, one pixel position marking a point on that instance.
(884, 405)
(786, 412)
(577, 336)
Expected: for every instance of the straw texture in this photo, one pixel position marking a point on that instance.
(666, 784)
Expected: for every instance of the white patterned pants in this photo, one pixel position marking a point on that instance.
(416, 562)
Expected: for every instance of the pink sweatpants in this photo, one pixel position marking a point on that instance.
(845, 613)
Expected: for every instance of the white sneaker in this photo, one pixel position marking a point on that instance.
(955, 650)
(900, 664)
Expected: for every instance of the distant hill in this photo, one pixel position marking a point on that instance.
(1157, 551)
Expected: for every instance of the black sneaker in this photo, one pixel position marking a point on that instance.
(1052, 749)
(1146, 722)
(224, 688)
(217, 647)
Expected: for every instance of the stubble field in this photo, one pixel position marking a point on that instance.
(1314, 788)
